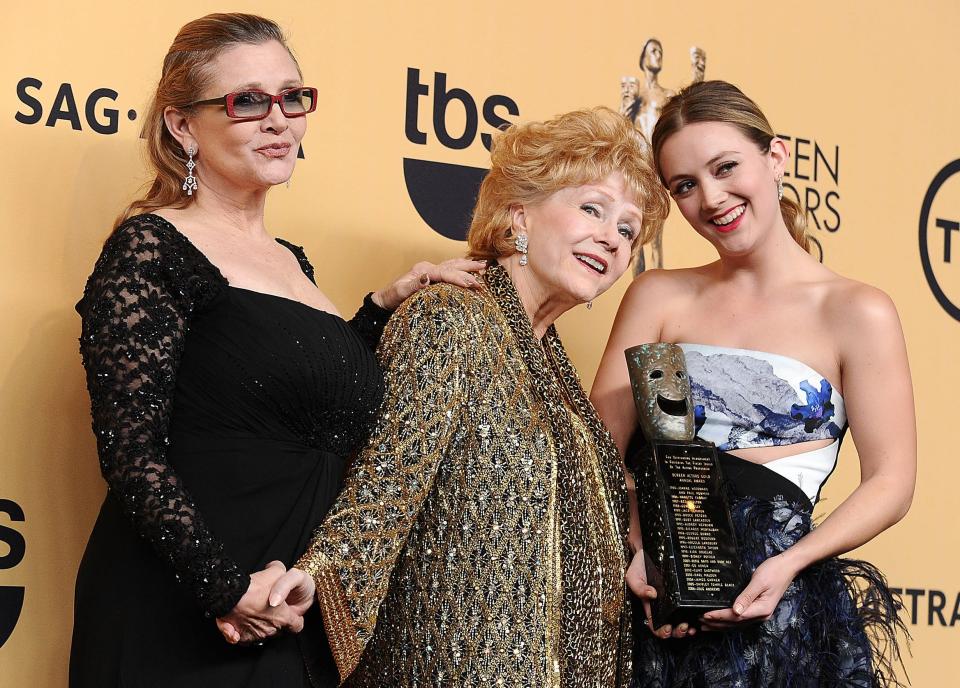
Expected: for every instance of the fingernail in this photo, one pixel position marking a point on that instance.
(424, 279)
(682, 628)
(274, 600)
(738, 609)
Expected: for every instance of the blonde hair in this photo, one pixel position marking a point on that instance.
(719, 101)
(186, 73)
(533, 160)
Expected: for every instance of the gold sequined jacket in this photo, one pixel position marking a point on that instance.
(480, 538)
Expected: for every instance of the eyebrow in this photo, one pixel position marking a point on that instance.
(289, 83)
(638, 213)
(604, 194)
(711, 161)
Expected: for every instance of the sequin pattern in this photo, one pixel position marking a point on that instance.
(147, 285)
(480, 537)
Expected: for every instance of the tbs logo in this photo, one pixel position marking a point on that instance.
(444, 193)
(11, 597)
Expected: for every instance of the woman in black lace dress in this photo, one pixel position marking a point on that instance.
(226, 389)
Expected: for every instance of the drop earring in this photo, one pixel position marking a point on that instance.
(780, 188)
(521, 244)
(190, 183)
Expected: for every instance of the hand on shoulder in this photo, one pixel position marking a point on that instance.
(438, 297)
(455, 271)
(439, 318)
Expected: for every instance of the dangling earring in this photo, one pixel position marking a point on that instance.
(190, 183)
(780, 188)
(521, 243)
(589, 305)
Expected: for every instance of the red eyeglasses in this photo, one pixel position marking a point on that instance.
(255, 104)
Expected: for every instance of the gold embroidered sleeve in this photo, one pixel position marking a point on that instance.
(353, 553)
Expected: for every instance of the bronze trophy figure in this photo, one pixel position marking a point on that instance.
(651, 94)
(698, 62)
(685, 519)
(629, 90)
(644, 111)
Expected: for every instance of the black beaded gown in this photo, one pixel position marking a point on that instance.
(223, 419)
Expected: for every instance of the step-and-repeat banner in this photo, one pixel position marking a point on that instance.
(864, 94)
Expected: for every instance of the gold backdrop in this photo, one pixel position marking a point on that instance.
(865, 91)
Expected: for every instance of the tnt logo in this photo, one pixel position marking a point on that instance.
(11, 597)
(443, 193)
(940, 238)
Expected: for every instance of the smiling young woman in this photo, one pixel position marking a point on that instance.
(783, 356)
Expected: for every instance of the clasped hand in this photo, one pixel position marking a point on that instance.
(754, 605)
(276, 601)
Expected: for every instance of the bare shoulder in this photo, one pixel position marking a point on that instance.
(662, 288)
(860, 309)
(864, 322)
(650, 299)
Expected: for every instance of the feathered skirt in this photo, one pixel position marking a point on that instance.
(836, 625)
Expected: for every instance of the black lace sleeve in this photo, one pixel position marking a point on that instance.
(135, 310)
(370, 318)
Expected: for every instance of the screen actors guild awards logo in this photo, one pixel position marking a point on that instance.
(642, 100)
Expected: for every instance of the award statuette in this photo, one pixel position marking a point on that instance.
(688, 535)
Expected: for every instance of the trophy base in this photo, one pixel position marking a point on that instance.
(688, 613)
(689, 542)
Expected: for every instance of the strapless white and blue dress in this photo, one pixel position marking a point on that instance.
(837, 622)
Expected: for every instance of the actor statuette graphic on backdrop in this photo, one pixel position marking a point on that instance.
(642, 102)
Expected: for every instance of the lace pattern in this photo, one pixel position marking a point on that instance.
(146, 287)
(136, 309)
